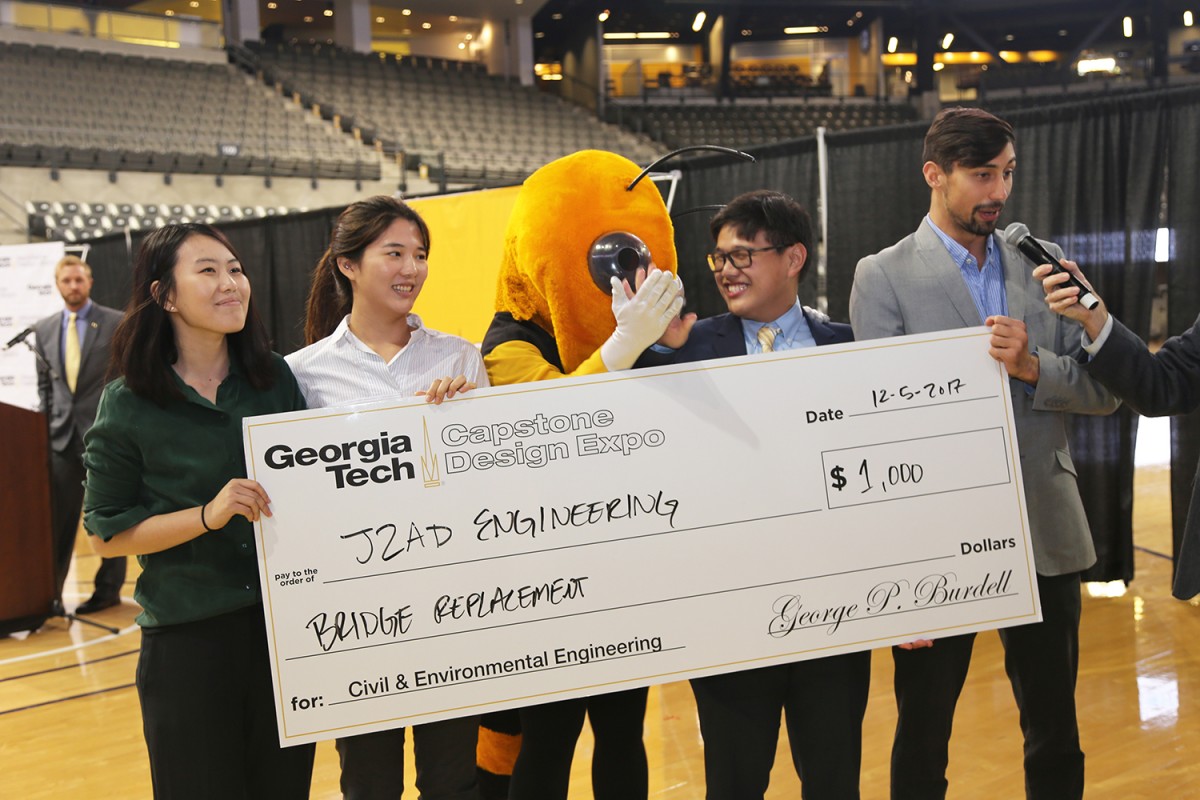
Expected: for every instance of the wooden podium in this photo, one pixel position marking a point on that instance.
(27, 591)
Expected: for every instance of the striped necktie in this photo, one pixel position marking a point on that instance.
(71, 356)
(766, 337)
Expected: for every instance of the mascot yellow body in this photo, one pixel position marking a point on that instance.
(551, 317)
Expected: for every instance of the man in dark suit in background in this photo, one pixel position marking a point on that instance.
(762, 243)
(73, 347)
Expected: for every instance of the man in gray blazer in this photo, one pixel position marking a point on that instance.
(953, 272)
(72, 410)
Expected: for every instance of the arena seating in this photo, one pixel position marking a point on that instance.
(488, 129)
(76, 221)
(78, 109)
(743, 125)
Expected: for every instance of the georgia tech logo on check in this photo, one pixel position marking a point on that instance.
(351, 463)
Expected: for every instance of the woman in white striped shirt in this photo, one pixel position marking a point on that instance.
(365, 343)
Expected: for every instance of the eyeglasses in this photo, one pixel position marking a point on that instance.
(739, 257)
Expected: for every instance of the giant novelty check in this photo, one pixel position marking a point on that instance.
(531, 543)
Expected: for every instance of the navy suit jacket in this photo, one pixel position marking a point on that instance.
(721, 337)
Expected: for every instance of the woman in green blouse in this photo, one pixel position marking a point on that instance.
(166, 482)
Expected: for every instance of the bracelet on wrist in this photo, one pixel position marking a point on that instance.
(203, 522)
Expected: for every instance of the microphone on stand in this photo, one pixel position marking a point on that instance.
(20, 337)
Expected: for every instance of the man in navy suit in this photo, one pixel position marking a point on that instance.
(70, 400)
(762, 243)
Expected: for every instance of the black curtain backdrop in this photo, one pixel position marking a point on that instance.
(1098, 178)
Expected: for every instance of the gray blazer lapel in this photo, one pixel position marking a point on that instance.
(1016, 282)
(936, 260)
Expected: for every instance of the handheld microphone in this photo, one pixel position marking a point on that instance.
(20, 337)
(1018, 235)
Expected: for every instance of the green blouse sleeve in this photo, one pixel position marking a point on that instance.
(112, 501)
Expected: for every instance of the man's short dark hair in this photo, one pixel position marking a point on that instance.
(968, 137)
(784, 220)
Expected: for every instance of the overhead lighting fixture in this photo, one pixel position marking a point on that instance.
(893, 43)
(947, 40)
(272, 6)
(1187, 19)
(556, 16)
(746, 31)
(604, 15)
(620, 36)
(462, 45)
(654, 35)
(1127, 27)
(453, 18)
(801, 29)
(469, 37)
(329, 12)
(426, 25)
(380, 20)
(308, 19)
(406, 12)
(938, 67)
(1009, 37)
(1087, 65)
(169, 13)
(698, 22)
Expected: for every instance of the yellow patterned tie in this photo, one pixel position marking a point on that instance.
(72, 353)
(766, 337)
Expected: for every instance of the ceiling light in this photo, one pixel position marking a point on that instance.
(1009, 37)
(468, 37)
(938, 67)
(272, 6)
(426, 25)
(462, 45)
(805, 29)
(1062, 32)
(698, 22)
(407, 12)
(556, 16)
(746, 31)
(947, 40)
(308, 19)
(542, 35)
(1187, 19)
(194, 4)
(619, 35)
(329, 12)
(453, 18)
(654, 35)
(169, 13)
(1127, 27)
(604, 15)
(893, 43)
(380, 20)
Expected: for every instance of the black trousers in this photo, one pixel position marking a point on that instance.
(66, 492)
(208, 713)
(1042, 661)
(548, 736)
(823, 702)
(373, 763)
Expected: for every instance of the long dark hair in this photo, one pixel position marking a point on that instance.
(143, 346)
(331, 297)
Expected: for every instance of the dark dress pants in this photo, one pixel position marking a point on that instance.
(66, 490)
(548, 736)
(1042, 661)
(208, 713)
(823, 701)
(373, 763)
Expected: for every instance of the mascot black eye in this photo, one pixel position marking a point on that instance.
(617, 254)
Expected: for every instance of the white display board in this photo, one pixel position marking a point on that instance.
(27, 293)
(531, 543)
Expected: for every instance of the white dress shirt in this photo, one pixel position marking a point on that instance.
(340, 370)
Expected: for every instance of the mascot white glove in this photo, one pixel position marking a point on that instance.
(642, 319)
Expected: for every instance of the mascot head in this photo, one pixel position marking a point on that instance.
(574, 223)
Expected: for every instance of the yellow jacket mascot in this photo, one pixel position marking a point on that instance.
(584, 233)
